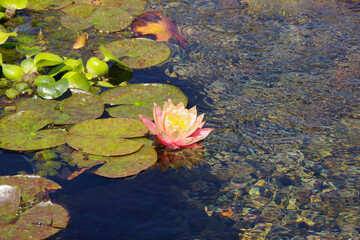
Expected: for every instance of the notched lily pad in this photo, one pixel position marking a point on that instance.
(138, 99)
(80, 106)
(21, 131)
(138, 53)
(107, 137)
(120, 166)
(110, 19)
(35, 221)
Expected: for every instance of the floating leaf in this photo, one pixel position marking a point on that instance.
(111, 19)
(9, 202)
(120, 166)
(75, 24)
(47, 59)
(43, 79)
(21, 132)
(53, 90)
(130, 6)
(157, 27)
(80, 41)
(46, 4)
(30, 186)
(77, 80)
(79, 10)
(40, 220)
(5, 35)
(138, 52)
(80, 106)
(135, 99)
(106, 136)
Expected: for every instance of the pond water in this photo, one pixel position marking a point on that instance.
(279, 83)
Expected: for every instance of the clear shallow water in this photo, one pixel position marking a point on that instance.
(279, 83)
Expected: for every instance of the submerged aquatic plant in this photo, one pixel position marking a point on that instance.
(176, 126)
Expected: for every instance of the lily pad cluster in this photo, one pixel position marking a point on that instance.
(25, 213)
(104, 15)
(44, 123)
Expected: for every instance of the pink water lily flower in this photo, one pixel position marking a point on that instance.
(176, 126)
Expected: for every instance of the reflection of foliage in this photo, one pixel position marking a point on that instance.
(25, 213)
(179, 158)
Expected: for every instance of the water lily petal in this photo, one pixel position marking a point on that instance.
(149, 124)
(158, 116)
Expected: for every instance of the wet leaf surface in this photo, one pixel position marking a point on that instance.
(46, 4)
(107, 137)
(40, 218)
(138, 99)
(111, 19)
(21, 131)
(118, 167)
(139, 52)
(80, 106)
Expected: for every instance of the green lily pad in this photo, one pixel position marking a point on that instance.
(138, 53)
(35, 221)
(79, 10)
(120, 166)
(80, 106)
(107, 137)
(53, 90)
(75, 24)
(136, 99)
(46, 4)
(21, 132)
(111, 19)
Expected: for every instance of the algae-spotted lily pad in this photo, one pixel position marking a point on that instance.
(119, 166)
(35, 221)
(80, 106)
(138, 52)
(75, 24)
(21, 131)
(111, 19)
(30, 186)
(46, 4)
(107, 137)
(138, 99)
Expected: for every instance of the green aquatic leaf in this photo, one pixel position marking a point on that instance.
(21, 131)
(40, 219)
(110, 19)
(47, 59)
(120, 166)
(15, 4)
(9, 202)
(43, 79)
(75, 24)
(5, 35)
(136, 99)
(30, 186)
(138, 52)
(47, 4)
(80, 106)
(77, 80)
(107, 137)
(28, 50)
(79, 10)
(53, 90)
